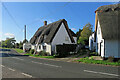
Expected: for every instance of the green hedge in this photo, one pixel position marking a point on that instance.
(65, 49)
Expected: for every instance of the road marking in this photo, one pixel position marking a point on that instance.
(52, 65)
(46, 64)
(26, 74)
(11, 69)
(2, 66)
(37, 62)
(101, 73)
(17, 58)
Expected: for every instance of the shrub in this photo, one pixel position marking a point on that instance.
(31, 51)
(43, 53)
(93, 54)
(21, 47)
(65, 49)
(110, 58)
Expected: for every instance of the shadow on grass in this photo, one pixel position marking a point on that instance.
(8, 54)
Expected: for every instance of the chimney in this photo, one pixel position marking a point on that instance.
(45, 23)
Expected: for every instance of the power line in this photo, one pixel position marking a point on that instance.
(21, 29)
(51, 13)
(11, 16)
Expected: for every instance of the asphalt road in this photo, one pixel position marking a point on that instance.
(19, 66)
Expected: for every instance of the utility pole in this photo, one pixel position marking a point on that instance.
(25, 33)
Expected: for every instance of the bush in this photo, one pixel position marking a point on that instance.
(65, 49)
(93, 54)
(62, 54)
(43, 53)
(111, 59)
(32, 51)
(21, 47)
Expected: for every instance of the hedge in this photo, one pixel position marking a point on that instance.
(65, 49)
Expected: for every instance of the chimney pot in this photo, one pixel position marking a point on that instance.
(45, 23)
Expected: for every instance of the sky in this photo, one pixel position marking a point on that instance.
(32, 14)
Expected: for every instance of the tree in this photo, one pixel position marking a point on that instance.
(86, 32)
(9, 43)
(21, 45)
(17, 45)
(78, 33)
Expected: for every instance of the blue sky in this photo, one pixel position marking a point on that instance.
(33, 14)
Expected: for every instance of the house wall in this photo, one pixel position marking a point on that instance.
(61, 37)
(106, 47)
(111, 48)
(40, 47)
(99, 41)
(75, 39)
(26, 46)
(48, 48)
(91, 42)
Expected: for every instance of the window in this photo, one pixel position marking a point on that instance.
(44, 48)
(40, 47)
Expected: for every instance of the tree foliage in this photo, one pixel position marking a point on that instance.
(8, 43)
(86, 32)
(78, 33)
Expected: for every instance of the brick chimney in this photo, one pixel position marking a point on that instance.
(45, 23)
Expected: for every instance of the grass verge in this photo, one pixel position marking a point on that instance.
(39, 56)
(18, 50)
(91, 61)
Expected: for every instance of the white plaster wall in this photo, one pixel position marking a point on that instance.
(102, 48)
(111, 48)
(39, 48)
(26, 46)
(60, 37)
(48, 48)
(91, 45)
(99, 39)
(32, 46)
(75, 39)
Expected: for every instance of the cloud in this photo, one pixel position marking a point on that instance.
(74, 29)
(9, 35)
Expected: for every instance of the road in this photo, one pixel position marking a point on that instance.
(19, 66)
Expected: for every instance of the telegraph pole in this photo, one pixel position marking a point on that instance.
(25, 33)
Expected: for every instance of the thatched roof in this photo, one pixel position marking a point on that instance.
(47, 32)
(109, 18)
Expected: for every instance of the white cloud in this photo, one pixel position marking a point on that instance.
(74, 29)
(10, 35)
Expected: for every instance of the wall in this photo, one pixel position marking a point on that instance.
(61, 37)
(111, 48)
(75, 39)
(99, 40)
(91, 42)
(48, 48)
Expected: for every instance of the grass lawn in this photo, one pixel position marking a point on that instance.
(4, 48)
(18, 50)
(39, 56)
(91, 61)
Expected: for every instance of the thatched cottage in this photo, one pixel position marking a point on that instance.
(107, 36)
(48, 36)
